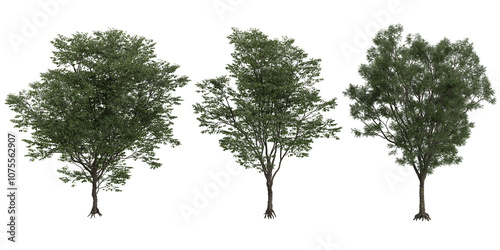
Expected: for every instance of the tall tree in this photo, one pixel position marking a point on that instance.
(417, 97)
(108, 100)
(273, 111)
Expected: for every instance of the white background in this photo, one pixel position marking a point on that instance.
(348, 194)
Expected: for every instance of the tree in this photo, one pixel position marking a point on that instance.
(273, 112)
(108, 100)
(417, 97)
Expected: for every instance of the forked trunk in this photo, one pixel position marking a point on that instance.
(269, 214)
(422, 215)
(95, 209)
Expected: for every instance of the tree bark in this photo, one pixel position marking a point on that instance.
(95, 209)
(269, 214)
(422, 215)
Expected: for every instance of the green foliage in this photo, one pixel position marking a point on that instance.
(417, 97)
(108, 99)
(273, 111)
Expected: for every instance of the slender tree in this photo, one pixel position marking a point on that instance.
(417, 97)
(273, 111)
(108, 100)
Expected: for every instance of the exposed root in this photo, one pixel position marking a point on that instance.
(94, 212)
(269, 214)
(422, 216)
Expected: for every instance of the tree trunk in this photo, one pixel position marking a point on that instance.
(269, 214)
(94, 210)
(422, 215)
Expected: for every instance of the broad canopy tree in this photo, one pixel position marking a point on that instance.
(417, 97)
(271, 110)
(109, 99)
